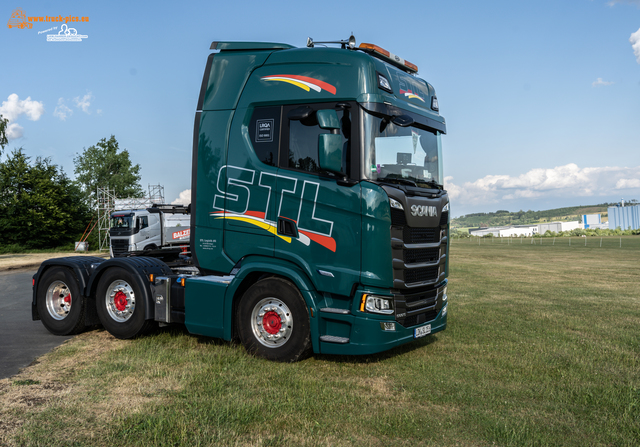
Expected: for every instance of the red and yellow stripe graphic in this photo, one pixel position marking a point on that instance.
(410, 95)
(258, 219)
(304, 82)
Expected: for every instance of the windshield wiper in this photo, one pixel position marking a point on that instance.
(432, 183)
(402, 181)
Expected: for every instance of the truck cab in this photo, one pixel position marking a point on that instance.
(332, 173)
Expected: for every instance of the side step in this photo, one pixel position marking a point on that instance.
(334, 339)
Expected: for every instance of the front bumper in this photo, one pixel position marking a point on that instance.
(361, 334)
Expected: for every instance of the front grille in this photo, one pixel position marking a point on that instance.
(420, 318)
(119, 246)
(423, 299)
(420, 275)
(420, 235)
(421, 255)
(417, 308)
(397, 217)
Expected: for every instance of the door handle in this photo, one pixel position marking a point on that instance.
(287, 227)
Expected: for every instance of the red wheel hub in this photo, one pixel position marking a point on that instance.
(67, 299)
(271, 322)
(120, 300)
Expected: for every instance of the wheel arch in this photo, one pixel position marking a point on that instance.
(81, 266)
(252, 270)
(141, 268)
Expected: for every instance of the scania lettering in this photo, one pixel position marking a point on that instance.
(319, 222)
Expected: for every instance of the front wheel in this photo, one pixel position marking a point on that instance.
(59, 302)
(273, 321)
(120, 306)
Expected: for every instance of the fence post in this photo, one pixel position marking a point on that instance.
(554, 240)
(569, 242)
(600, 242)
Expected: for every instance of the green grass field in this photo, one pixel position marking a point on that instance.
(542, 348)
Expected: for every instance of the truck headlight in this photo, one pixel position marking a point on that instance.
(376, 304)
(395, 204)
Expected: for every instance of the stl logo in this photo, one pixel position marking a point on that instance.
(19, 20)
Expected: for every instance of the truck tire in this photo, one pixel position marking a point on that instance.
(60, 304)
(120, 306)
(273, 321)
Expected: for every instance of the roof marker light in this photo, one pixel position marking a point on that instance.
(375, 50)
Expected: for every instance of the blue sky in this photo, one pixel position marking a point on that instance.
(542, 98)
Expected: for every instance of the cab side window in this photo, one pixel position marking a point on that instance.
(144, 222)
(303, 141)
(264, 131)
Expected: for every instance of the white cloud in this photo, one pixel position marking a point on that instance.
(635, 44)
(13, 107)
(599, 82)
(628, 183)
(561, 181)
(184, 198)
(84, 103)
(13, 131)
(62, 111)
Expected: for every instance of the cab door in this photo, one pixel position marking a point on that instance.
(248, 203)
(318, 212)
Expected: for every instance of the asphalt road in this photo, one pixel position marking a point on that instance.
(21, 339)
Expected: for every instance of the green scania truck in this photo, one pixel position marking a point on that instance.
(319, 221)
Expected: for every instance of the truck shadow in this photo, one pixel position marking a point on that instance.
(350, 359)
(381, 356)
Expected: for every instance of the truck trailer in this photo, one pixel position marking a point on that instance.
(319, 220)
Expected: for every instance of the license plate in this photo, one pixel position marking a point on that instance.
(422, 331)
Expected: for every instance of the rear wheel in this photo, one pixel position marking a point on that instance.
(120, 305)
(273, 321)
(59, 302)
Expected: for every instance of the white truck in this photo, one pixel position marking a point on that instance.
(145, 230)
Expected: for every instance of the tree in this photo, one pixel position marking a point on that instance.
(40, 207)
(3, 133)
(105, 165)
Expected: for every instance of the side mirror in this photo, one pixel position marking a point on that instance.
(300, 113)
(328, 119)
(402, 120)
(330, 152)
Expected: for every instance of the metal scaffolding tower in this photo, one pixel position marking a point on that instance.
(106, 204)
(156, 193)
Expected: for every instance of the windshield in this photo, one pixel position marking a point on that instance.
(122, 221)
(406, 155)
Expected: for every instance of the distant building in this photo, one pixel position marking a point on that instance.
(624, 217)
(512, 231)
(591, 220)
(557, 227)
(482, 232)
(519, 230)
